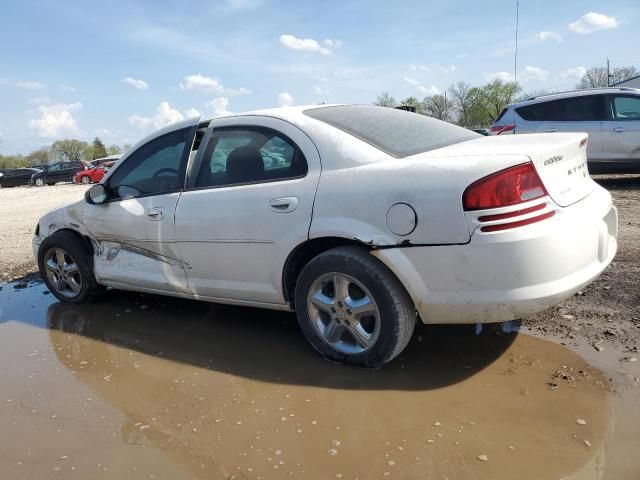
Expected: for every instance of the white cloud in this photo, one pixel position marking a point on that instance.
(504, 76)
(423, 89)
(200, 83)
(39, 101)
(446, 69)
(30, 85)
(592, 22)
(420, 68)
(242, 4)
(534, 73)
(219, 107)
(333, 43)
(303, 44)
(320, 91)
(66, 88)
(428, 89)
(136, 83)
(284, 99)
(164, 115)
(191, 113)
(553, 36)
(574, 73)
(56, 120)
(411, 81)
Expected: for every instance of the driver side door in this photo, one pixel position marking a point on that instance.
(135, 228)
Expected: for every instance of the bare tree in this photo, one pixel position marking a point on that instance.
(39, 157)
(438, 106)
(462, 102)
(385, 100)
(597, 76)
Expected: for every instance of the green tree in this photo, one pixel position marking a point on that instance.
(385, 100)
(39, 157)
(438, 106)
(12, 161)
(69, 149)
(597, 76)
(113, 149)
(99, 150)
(413, 102)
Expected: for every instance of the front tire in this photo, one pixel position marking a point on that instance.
(85, 179)
(64, 262)
(352, 308)
(40, 182)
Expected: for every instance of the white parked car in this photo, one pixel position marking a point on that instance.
(359, 218)
(611, 117)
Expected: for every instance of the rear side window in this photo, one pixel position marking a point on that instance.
(626, 108)
(240, 155)
(393, 131)
(532, 113)
(576, 109)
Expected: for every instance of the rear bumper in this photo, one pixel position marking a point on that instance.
(506, 275)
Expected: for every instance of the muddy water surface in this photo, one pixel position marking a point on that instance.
(147, 387)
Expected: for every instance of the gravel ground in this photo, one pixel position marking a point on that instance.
(20, 209)
(607, 311)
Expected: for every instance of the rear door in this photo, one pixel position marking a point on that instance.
(577, 114)
(621, 138)
(248, 205)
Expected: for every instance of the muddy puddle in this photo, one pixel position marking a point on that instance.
(148, 387)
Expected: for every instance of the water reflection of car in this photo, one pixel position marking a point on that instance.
(93, 173)
(358, 218)
(56, 172)
(16, 177)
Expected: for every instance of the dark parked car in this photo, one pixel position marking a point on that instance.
(99, 161)
(56, 172)
(17, 176)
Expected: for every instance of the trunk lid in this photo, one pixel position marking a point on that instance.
(560, 160)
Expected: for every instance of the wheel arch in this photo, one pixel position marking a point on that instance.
(303, 253)
(86, 240)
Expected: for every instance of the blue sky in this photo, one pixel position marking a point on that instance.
(120, 69)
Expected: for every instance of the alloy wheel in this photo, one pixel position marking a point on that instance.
(343, 313)
(62, 272)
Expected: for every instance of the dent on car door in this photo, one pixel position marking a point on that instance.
(248, 204)
(622, 128)
(135, 229)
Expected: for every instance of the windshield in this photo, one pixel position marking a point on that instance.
(396, 132)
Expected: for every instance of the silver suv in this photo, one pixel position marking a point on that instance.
(611, 117)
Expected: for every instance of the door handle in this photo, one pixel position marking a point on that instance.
(551, 130)
(156, 213)
(283, 204)
(619, 129)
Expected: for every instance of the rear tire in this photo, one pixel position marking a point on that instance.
(65, 265)
(85, 180)
(352, 308)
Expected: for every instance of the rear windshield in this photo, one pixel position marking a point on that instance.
(396, 132)
(504, 110)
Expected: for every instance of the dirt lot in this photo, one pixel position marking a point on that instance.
(20, 208)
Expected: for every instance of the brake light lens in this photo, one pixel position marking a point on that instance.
(501, 189)
(498, 129)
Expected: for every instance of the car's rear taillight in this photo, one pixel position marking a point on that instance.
(508, 187)
(517, 187)
(498, 129)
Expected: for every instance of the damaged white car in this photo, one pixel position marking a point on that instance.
(361, 219)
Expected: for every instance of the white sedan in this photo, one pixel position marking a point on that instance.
(361, 219)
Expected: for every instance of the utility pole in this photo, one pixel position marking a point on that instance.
(515, 56)
(608, 74)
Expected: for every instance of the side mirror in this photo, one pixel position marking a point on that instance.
(96, 195)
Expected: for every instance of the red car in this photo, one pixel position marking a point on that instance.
(92, 174)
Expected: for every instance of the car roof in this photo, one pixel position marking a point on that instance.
(574, 93)
(284, 113)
